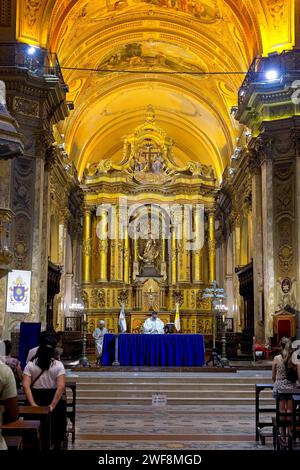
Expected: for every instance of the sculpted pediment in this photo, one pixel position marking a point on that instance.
(148, 158)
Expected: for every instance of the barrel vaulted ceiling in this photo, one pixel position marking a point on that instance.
(142, 52)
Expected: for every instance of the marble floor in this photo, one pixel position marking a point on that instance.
(182, 427)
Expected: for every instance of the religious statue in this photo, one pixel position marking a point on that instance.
(140, 163)
(150, 252)
(157, 164)
(2, 93)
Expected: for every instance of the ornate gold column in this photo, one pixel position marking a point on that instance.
(135, 267)
(211, 245)
(113, 243)
(103, 246)
(197, 251)
(173, 256)
(126, 254)
(186, 268)
(87, 245)
(163, 250)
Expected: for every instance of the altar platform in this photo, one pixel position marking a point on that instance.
(175, 350)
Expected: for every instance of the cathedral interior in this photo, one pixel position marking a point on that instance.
(162, 106)
(150, 160)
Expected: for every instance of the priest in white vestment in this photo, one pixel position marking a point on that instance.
(153, 325)
(98, 335)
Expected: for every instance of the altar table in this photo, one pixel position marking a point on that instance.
(175, 350)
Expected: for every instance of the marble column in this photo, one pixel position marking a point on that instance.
(268, 245)
(257, 254)
(236, 261)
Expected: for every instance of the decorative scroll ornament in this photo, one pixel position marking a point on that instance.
(148, 158)
(123, 296)
(178, 297)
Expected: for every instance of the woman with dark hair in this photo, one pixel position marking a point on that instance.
(285, 374)
(44, 385)
(13, 363)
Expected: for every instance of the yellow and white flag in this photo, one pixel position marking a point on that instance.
(177, 318)
(122, 320)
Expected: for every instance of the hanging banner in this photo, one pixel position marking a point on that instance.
(18, 291)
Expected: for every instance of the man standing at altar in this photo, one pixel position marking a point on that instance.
(98, 336)
(153, 325)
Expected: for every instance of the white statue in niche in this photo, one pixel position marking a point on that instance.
(2, 93)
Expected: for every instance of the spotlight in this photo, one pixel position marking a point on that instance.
(233, 110)
(31, 50)
(272, 75)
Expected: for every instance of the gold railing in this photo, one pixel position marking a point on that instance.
(6, 216)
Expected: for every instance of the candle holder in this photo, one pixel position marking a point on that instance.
(78, 308)
(224, 360)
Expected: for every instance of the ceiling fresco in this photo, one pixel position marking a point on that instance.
(184, 57)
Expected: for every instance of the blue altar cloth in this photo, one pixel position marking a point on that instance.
(175, 350)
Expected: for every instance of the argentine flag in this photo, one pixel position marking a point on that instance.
(177, 318)
(122, 320)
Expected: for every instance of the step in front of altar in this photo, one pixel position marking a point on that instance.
(180, 390)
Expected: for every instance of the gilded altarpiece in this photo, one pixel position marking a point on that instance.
(149, 236)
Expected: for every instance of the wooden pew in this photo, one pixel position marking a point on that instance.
(30, 431)
(71, 409)
(14, 442)
(259, 423)
(42, 414)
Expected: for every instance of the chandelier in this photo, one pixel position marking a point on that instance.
(76, 307)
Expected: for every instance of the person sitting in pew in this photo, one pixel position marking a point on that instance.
(44, 385)
(13, 363)
(8, 399)
(44, 335)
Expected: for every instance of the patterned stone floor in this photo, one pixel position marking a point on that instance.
(123, 427)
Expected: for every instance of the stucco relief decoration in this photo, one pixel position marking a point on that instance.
(285, 255)
(203, 303)
(123, 296)
(286, 296)
(97, 298)
(85, 298)
(284, 216)
(26, 107)
(284, 199)
(31, 11)
(277, 9)
(206, 12)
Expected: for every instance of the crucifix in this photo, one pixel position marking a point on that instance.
(148, 153)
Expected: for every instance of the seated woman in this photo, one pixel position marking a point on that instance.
(285, 374)
(44, 385)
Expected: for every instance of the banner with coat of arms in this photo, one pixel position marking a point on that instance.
(18, 291)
